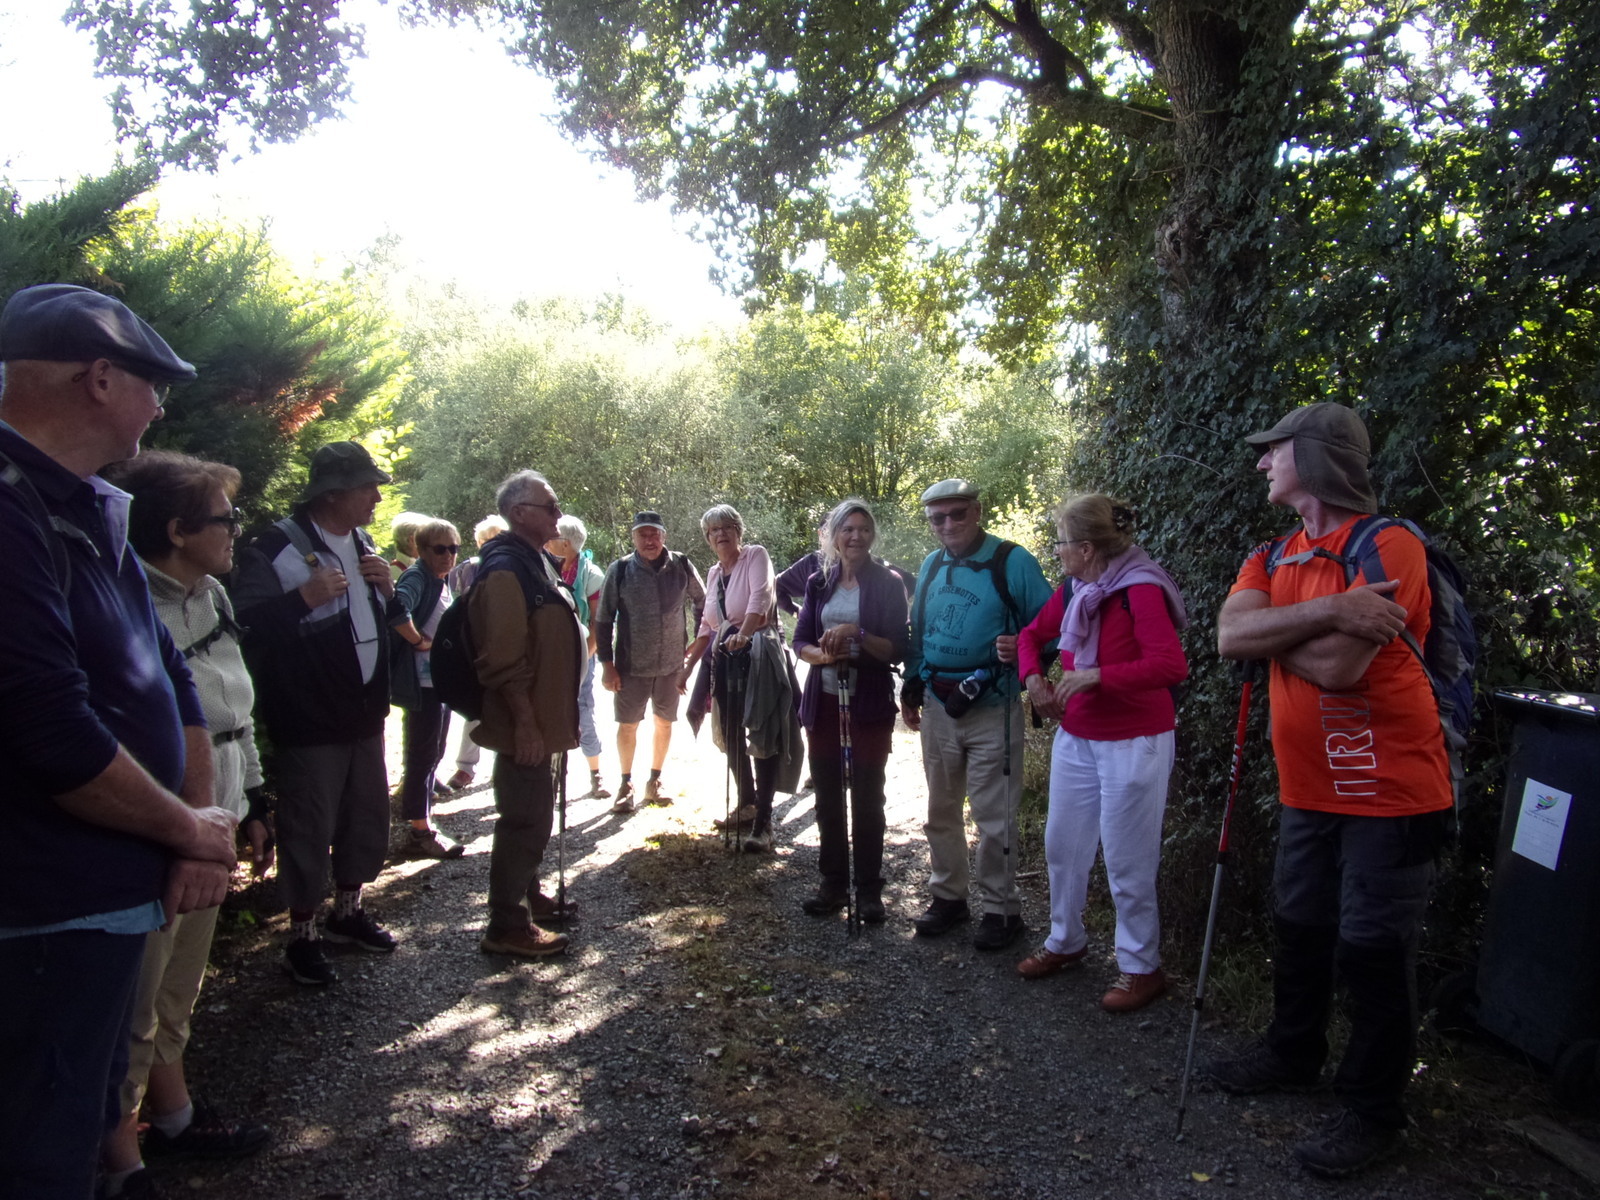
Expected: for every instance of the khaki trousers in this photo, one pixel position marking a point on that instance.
(169, 984)
(964, 760)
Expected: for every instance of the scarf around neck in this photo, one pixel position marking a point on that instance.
(1080, 624)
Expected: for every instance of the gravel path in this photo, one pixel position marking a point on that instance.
(704, 1038)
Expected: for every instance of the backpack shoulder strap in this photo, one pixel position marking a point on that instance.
(290, 528)
(1002, 587)
(15, 477)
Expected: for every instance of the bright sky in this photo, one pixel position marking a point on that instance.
(447, 145)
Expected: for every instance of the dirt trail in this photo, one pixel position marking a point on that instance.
(704, 1038)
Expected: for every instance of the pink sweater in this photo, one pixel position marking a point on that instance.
(1140, 659)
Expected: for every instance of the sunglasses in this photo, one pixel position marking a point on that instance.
(233, 519)
(445, 549)
(942, 518)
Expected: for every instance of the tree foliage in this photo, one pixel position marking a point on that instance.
(284, 365)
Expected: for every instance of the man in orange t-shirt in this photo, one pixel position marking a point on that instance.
(1364, 780)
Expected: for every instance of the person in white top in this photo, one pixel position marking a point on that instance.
(740, 601)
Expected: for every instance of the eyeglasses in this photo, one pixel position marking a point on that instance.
(161, 390)
(233, 519)
(445, 549)
(553, 509)
(940, 518)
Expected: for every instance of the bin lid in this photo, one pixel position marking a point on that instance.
(1583, 705)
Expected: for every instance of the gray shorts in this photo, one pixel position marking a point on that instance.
(330, 798)
(660, 691)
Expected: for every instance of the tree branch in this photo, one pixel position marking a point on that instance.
(1143, 122)
(1135, 34)
(1054, 59)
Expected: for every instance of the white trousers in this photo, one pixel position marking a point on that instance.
(1109, 796)
(965, 760)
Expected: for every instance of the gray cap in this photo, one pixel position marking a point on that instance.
(58, 322)
(648, 519)
(950, 489)
(341, 465)
(1331, 449)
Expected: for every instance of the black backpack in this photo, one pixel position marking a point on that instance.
(453, 657)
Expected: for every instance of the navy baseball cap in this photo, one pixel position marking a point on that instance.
(59, 322)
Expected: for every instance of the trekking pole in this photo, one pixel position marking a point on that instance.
(561, 839)
(1005, 771)
(1246, 672)
(852, 911)
(741, 748)
(719, 666)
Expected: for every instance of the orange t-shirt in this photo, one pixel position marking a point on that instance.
(1376, 749)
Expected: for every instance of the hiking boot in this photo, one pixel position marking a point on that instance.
(825, 903)
(208, 1135)
(141, 1185)
(997, 931)
(869, 907)
(548, 908)
(305, 960)
(758, 842)
(1256, 1068)
(1043, 963)
(358, 929)
(531, 942)
(430, 843)
(461, 779)
(941, 916)
(624, 803)
(742, 816)
(654, 795)
(1347, 1144)
(1134, 990)
(597, 790)
(440, 789)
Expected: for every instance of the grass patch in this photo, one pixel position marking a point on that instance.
(775, 1121)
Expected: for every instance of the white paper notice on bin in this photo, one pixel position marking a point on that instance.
(1541, 821)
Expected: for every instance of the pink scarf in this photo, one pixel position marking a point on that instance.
(1080, 624)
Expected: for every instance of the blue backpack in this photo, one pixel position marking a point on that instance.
(1451, 652)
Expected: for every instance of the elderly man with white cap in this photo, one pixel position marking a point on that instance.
(973, 596)
(107, 793)
(316, 600)
(1363, 778)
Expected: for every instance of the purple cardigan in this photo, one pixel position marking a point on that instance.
(883, 614)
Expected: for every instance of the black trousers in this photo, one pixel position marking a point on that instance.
(1351, 895)
(869, 755)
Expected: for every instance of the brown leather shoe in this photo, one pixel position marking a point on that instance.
(1130, 993)
(1042, 962)
(531, 942)
(742, 816)
(548, 908)
(461, 779)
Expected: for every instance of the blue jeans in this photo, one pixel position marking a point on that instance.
(65, 1009)
(588, 739)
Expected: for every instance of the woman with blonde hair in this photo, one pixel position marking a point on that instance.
(853, 621)
(1117, 621)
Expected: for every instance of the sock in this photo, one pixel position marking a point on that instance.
(175, 1123)
(627, 777)
(306, 928)
(347, 901)
(655, 775)
(594, 778)
(115, 1179)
